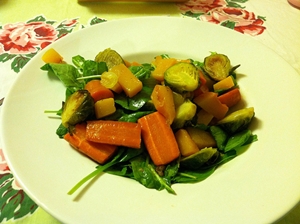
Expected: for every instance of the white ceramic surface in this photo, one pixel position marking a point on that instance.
(259, 186)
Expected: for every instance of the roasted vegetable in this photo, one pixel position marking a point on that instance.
(217, 66)
(185, 112)
(110, 57)
(237, 121)
(77, 108)
(182, 77)
(199, 159)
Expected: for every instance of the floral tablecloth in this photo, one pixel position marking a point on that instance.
(27, 26)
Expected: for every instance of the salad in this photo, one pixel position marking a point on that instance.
(159, 123)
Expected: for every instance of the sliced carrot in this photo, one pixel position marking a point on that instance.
(114, 133)
(98, 91)
(210, 103)
(52, 56)
(202, 78)
(203, 88)
(96, 151)
(162, 98)
(159, 139)
(134, 63)
(127, 63)
(230, 98)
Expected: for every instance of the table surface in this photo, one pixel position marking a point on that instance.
(274, 23)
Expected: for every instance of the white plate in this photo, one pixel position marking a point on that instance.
(259, 186)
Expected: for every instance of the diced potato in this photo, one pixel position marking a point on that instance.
(161, 65)
(210, 103)
(185, 143)
(204, 117)
(130, 84)
(162, 98)
(201, 138)
(104, 107)
(224, 84)
(52, 56)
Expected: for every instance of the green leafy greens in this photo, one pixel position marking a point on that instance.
(137, 164)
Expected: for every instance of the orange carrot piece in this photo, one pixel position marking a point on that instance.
(134, 63)
(100, 153)
(98, 91)
(203, 87)
(127, 63)
(202, 78)
(114, 133)
(159, 139)
(230, 98)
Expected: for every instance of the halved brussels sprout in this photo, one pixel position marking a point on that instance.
(77, 108)
(217, 66)
(237, 121)
(185, 112)
(199, 159)
(182, 77)
(110, 57)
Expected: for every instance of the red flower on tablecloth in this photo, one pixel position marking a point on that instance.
(226, 13)
(239, 19)
(24, 38)
(20, 41)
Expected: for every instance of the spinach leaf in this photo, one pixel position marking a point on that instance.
(123, 167)
(99, 169)
(68, 74)
(120, 169)
(142, 71)
(144, 172)
(220, 136)
(89, 67)
(61, 131)
(165, 56)
(78, 61)
(133, 117)
(198, 64)
(193, 176)
(237, 140)
(171, 171)
(123, 155)
(136, 102)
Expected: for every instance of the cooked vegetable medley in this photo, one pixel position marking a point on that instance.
(160, 123)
